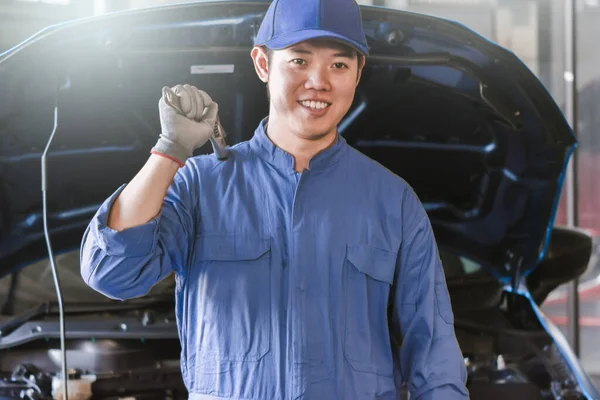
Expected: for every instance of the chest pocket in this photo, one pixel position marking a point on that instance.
(369, 276)
(230, 291)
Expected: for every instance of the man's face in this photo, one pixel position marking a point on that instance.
(311, 86)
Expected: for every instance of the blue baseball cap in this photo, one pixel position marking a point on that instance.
(289, 22)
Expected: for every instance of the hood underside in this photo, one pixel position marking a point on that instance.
(462, 120)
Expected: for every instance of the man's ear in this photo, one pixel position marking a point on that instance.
(261, 63)
(361, 64)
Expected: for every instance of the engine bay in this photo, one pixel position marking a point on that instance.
(131, 349)
(133, 353)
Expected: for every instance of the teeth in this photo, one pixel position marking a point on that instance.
(314, 104)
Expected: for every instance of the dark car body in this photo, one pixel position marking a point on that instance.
(464, 121)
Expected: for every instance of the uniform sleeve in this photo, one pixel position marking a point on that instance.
(126, 264)
(430, 360)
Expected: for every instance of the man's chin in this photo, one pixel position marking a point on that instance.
(312, 131)
(315, 135)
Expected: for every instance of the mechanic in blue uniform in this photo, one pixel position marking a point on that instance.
(304, 269)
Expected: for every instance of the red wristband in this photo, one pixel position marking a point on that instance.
(168, 157)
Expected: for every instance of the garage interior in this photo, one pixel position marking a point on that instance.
(555, 39)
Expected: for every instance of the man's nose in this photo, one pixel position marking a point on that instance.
(318, 79)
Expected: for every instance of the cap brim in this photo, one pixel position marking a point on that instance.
(292, 38)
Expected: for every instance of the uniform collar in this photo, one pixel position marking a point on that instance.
(282, 160)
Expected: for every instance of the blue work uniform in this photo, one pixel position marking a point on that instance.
(321, 285)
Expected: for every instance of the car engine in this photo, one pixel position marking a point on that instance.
(498, 368)
(99, 369)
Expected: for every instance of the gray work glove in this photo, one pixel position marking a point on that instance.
(187, 119)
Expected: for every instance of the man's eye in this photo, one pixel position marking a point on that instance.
(340, 65)
(298, 61)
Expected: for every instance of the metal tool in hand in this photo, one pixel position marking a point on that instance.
(194, 109)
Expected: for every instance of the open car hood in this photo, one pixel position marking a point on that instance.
(463, 121)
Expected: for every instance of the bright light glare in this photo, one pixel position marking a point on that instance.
(57, 2)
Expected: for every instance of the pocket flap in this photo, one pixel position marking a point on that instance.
(377, 263)
(226, 247)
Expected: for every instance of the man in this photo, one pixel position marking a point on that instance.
(304, 270)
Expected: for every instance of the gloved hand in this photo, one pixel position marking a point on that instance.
(187, 119)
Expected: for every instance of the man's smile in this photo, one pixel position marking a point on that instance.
(315, 105)
(315, 108)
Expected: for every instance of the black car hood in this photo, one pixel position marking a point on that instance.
(463, 121)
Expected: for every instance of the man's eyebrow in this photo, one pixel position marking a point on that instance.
(299, 50)
(345, 53)
(342, 53)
